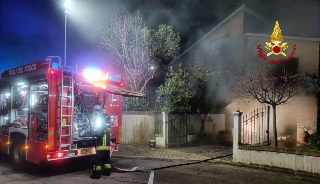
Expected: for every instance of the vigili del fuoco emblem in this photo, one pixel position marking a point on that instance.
(276, 38)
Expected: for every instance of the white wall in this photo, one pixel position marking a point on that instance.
(300, 162)
(284, 160)
(213, 123)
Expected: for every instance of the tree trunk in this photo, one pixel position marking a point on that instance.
(275, 136)
(136, 88)
(318, 114)
(202, 122)
(202, 126)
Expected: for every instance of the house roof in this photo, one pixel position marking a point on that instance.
(285, 37)
(241, 9)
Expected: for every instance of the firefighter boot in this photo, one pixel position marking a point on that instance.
(107, 169)
(96, 172)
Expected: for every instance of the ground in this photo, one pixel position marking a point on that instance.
(189, 152)
(222, 171)
(79, 171)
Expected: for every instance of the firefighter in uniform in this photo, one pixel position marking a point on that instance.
(102, 163)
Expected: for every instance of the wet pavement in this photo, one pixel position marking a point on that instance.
(78, 172)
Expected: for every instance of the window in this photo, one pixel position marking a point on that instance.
(219, 43)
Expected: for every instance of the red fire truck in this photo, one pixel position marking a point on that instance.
(47, 110)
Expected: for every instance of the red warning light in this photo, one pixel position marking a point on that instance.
(52, 72)
(121, 84)
(55, 155)
(60, 155)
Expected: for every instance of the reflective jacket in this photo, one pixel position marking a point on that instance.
(103, 142)
(103, 133)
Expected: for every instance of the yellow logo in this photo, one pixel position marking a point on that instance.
(64, 121)
(276, 38)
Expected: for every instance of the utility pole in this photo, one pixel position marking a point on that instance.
(65, 37)
(67, 6)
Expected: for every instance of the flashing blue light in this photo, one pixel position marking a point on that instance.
(55, 65)
(116, 78)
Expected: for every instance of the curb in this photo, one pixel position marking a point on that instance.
(268, 168)
(225, 162)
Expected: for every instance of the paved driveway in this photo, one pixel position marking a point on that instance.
(190, 152)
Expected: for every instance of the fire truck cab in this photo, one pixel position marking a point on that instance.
(47, 111)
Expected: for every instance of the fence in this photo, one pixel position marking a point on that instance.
(142, 104)
(255, 127)
(140, 127)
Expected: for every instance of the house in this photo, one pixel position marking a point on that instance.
(223, 51)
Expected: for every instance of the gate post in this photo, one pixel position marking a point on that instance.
(236, 134)
(163, 141)
(165, 128)
(267, 131)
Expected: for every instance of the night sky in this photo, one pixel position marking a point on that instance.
(33, 29)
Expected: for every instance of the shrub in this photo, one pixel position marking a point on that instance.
(315, 142)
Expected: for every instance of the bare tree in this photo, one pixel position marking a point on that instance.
(137, 48)
(270, 84)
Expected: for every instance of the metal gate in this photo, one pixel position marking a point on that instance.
(177, 129)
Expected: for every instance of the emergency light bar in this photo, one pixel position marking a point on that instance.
(93, 74)
(99, 79)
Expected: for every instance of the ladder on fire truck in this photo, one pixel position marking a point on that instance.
(66, 77)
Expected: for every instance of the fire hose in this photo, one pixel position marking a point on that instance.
(136, 169)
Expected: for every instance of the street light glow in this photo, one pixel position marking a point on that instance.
(67, 4)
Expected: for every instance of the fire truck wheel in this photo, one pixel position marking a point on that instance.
(17, 154)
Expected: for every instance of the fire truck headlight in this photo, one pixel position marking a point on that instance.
(98, 122)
